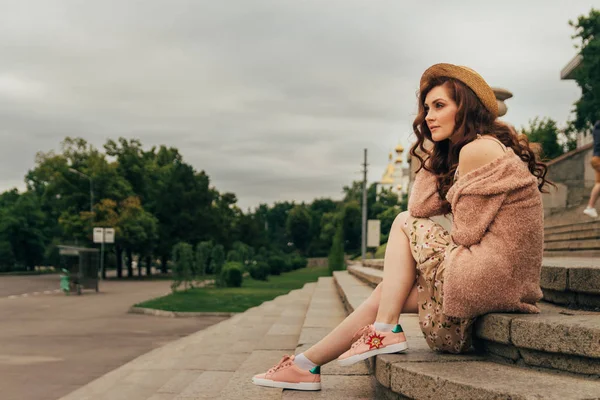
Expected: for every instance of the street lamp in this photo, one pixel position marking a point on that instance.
(91, 187)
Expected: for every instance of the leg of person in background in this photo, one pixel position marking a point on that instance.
(591, 206)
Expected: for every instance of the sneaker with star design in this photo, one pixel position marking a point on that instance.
(369, 342)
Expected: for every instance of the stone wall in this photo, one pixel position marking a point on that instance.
(574, 176)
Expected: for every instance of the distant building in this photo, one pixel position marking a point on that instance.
(396, 177)
(568, 73)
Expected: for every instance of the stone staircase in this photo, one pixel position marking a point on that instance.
(219, 362)
(579, 239)
(552, 355)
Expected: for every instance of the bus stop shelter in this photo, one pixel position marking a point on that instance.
(82, 265)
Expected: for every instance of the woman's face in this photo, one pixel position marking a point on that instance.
(440, 113)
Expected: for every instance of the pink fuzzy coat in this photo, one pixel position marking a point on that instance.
(498, 223)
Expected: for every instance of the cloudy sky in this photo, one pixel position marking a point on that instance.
(275, 100)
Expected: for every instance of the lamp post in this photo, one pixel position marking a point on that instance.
(91, 187)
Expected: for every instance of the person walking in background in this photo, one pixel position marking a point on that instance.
(591, 207)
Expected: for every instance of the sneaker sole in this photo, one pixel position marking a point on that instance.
(287, 385)
(395, 348)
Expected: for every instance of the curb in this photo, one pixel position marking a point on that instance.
(178, 314)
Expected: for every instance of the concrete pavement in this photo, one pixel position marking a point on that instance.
(53, 344)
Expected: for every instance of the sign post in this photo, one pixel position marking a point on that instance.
(373, 233)
(103, 235)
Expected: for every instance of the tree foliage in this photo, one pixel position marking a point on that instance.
(336, 258)
(156, 202)
(587, 75)
(298, 227)
(545, 132)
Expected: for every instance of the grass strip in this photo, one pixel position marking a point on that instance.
(251, 294)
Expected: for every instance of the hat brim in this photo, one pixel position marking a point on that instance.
(466, 75)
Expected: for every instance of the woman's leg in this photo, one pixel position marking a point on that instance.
(396, 265)
(399, 273)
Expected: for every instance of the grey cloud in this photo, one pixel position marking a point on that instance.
(275, 100)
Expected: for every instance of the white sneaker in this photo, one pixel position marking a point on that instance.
(591, 211)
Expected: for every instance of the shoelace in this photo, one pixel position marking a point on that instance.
(361, 335)
(280, 364)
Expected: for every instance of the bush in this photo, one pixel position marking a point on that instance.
(380, 253)
(217, 259)
(299, 262)
(259, 271)
(336, 255)
(276, 265)
(235, 256)
(203, 250)
(287, 264)
(232, 274)
(183, 260)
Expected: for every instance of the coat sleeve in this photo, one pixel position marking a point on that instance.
(424, 200)
(473, 214)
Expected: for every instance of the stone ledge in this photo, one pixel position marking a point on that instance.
(178, 314)
(420, 373)
(558, 332)
(485, 380)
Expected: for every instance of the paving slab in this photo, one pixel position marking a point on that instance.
(338, 388)
(208, 385)
(67, 342)
(216, 363)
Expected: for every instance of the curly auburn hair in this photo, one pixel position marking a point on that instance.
(471, 118)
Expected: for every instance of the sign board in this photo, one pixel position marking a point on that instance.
(109, 235)
(98, 235)
(104, 235)
(373, 233)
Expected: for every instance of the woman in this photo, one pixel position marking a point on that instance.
(489, 180)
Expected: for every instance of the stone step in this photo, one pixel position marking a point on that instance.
(570, 225)
(558, 328)
(583, 234)
(423, 374)
(215, 363)
(557, 338)
(568, 216)
(572, 245)
(571, 281)
(324, 313)
(572, 253)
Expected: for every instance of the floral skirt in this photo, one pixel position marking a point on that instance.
(430, 243)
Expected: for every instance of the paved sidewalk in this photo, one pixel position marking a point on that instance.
(17, 285)
(53, 344)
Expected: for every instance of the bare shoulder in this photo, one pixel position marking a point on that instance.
(476, 154)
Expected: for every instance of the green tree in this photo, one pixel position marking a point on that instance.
(298, 227)
(336, 259)
(22, 229)
(545, 132)
(353, 192)
(276, 224)
(320, 244)
(217, 259)
(352, 222)
(203, 250)
(183, 258)
(587, 75)
(138, 231)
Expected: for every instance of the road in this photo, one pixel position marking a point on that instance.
(52, 344)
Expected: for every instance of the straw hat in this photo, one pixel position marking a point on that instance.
(467, 76)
